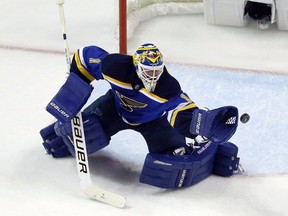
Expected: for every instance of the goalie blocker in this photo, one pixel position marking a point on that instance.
(65, 105)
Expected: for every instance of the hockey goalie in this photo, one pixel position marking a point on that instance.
(146, 98)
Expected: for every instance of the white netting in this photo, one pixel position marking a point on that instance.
(139, 4)
(141, 10)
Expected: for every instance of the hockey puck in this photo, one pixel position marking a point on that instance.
(244, 118)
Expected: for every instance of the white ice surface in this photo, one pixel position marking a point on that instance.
(248, 62)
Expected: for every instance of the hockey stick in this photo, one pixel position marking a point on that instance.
(83, 168)
(80, 145)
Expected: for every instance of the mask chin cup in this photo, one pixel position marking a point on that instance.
(150, 86)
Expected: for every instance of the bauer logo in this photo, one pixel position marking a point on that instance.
(59, 110)
(182, 178)
(199, 117)
(204, 147)
(79, 144)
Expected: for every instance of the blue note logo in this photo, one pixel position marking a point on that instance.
(128, 103)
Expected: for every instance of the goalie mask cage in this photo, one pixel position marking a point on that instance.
(131, 12)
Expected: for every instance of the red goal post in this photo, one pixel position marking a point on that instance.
(132, 12)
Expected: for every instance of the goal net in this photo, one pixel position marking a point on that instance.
(130, 13)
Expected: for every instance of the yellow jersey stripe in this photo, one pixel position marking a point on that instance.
(81, 68)
(175, 113)
(153, 96)
(117, 82)
(129, 86)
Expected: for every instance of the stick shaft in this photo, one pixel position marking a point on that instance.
(64, 32)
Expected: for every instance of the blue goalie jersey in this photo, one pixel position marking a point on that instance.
(134, 103)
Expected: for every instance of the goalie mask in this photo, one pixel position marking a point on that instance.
(149, 65)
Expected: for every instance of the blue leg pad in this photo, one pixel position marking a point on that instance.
(226, 160)
(52, 143)
(170, 171)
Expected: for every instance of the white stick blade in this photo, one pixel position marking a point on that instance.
(104, 196)
(59, 2)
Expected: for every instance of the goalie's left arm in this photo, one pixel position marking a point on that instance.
(218, 125)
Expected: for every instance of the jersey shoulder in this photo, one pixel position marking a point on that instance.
(86, 62)
(114, 64)
(167, 86)
(119, 67)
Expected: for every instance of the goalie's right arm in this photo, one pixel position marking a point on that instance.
(75, 92)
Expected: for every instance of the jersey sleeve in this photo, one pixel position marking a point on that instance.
(86, 63)
(181, 112)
